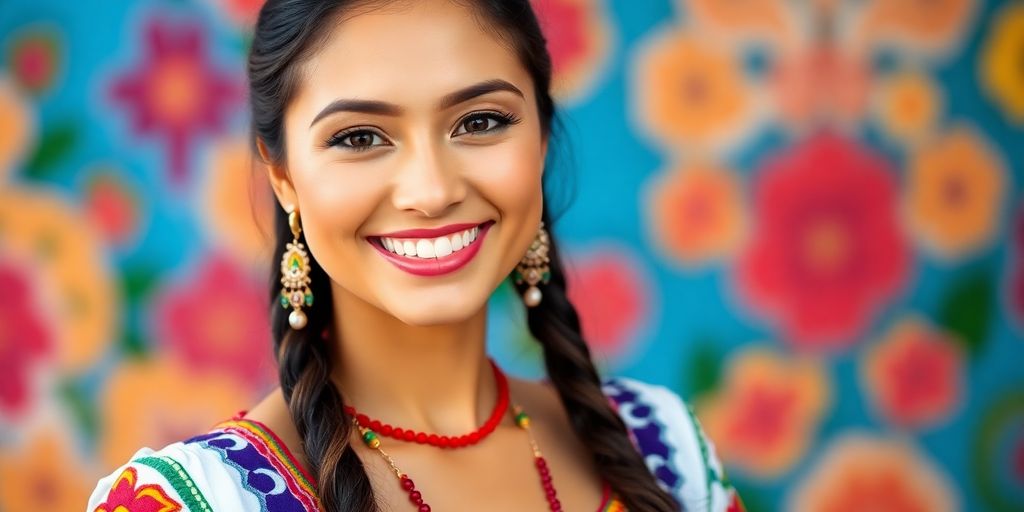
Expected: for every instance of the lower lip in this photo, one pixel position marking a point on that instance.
(436, 266)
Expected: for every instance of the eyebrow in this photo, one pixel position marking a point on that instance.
(390, 109)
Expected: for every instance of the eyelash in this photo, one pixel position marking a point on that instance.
(504, 119)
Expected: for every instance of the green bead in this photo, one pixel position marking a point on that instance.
(369, 436)
(522, 420)
(309, 299)
(284, 301)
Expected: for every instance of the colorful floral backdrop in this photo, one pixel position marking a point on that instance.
(804, 217)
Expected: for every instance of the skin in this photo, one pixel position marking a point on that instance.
(411, 349)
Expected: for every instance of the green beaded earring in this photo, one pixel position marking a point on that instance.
(295, 292)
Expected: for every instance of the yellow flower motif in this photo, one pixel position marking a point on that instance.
(955, 191)
(697, 213)
(863, 473)
(154, 403)
(50, 235)
(43, 475)
(765, 416)
(909, 106)
(238, 203)
(1001, 70)
(17, 127)
(689, 92)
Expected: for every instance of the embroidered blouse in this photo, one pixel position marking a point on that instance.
(240, 465)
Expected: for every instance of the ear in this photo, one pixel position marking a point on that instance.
(280, 179)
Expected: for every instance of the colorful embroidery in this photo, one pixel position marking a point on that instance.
(267, 470)
(613, 505)
(125, 497)
(180, 480)
(647, 432)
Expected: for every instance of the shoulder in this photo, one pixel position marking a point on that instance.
(676, 450)
(236, 466)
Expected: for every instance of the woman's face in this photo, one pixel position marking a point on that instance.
(414, 130)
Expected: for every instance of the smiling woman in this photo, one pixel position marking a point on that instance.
(406, 144)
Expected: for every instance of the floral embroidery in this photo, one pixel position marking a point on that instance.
(1000, 61)
(829, 250)
(765, 416)
(25, 338)
(956, 188)
(577, 34)
(124, 496)
(611, 296)
(698, 213)
(863, 473)
(175, 93)
(915, 375)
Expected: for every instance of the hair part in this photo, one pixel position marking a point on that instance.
(287, 34)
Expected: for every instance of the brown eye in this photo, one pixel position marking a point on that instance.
(476, 124)
(361, 139)
(484, 122)
(357, 140)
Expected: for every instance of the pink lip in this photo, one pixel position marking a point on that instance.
(433, 266)
(430, 232)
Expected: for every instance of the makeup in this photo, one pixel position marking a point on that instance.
(432, 252)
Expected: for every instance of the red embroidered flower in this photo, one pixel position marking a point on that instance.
(24, 338)
(124, 496)
(915, 375)
(175, 93)
(612, 300)
(577, 39)
(828, 251)
(218, 320)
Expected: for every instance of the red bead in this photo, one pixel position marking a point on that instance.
(545, 478)
(407, 484)
(424, 508)
(497, 414)
(540, 462)
(415, 497)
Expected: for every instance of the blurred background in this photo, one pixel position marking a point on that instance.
(805, 217)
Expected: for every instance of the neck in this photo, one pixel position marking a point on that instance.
(429, 378)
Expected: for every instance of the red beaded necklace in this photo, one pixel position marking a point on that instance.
(388, 430)
(372, 440)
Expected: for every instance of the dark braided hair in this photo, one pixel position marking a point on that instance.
(289, 31)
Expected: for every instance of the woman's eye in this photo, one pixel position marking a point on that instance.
(484, 122)
(360, 140)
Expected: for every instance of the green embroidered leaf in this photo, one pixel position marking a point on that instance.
(56, 144)
(967, 310)
(137, 282)
(703, 369)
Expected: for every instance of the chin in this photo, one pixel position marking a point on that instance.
(440, 311)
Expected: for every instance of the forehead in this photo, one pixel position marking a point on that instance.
(411, 53)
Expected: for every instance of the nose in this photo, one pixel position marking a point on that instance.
(428, 182)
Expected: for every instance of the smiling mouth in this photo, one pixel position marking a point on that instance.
(419, 254)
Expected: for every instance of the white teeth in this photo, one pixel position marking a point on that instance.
(442, 247)
(424, 249)
(433, 247)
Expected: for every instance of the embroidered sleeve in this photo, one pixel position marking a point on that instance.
(674, 446)
(148, 483)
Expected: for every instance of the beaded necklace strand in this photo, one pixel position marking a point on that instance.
(371, 440)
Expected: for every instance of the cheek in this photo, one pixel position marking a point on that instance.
(334, 205)
(508, 176)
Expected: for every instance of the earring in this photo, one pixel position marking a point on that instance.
(533, 268)
(295, 292)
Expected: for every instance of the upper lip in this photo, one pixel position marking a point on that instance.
(430, 232)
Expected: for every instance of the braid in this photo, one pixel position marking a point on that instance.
(555, 324)
(315, 404)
